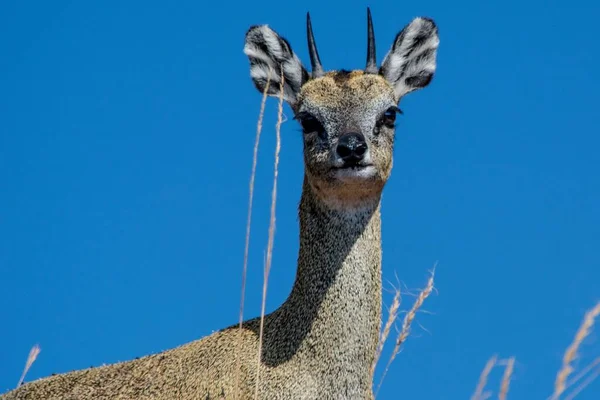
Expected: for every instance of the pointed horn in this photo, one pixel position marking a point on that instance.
(315, 62)
(371, 57)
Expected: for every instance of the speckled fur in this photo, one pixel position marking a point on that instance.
(320, 343)
(317, 345)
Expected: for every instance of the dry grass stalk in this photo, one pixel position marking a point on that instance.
(33, 353)
(583, 373)
(392, 315)
(248, 224)
(406, 324)
(585, 329)
(579, 388)
(504, 386)
(271, 229)
(485, 373)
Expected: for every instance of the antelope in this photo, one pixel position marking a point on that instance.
(321, 342)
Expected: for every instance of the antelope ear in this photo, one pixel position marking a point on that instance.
(410, 63)
(270, 55)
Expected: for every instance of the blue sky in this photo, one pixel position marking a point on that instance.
(126, 138)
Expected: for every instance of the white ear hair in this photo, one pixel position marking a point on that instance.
(270, 55)
(410, 63)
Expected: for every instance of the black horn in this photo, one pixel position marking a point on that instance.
(371, 57)
(315, 62)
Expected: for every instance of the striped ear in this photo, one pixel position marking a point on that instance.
(410, 63)
(269, 55)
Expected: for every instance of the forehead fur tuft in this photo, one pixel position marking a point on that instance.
(335, 86)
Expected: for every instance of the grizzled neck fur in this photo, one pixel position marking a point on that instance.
(331, 319)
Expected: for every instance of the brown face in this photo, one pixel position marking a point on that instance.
(348, 123)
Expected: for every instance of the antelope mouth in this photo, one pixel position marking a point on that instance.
(354, 172)
(353, 166)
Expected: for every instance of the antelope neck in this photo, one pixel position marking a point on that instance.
(336, 300)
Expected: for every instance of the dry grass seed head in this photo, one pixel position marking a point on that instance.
(406, 324)
(483, 378)
(584, 330)
(505, 385)
(33, 354)
(392, 315)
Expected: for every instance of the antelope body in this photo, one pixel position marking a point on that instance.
(321, 342)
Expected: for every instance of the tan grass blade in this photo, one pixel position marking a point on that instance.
(581, 374)
(586, 382)
(248, 224)
(33, 353)
(505, 385)
(271, 230)
(406, 324)
(483, 378)
(571, 353)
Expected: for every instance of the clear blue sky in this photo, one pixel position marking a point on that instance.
(126, 134)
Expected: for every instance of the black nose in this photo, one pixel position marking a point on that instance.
(352, 148)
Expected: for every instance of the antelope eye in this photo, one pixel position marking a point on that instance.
(389, 117)
(310, 124)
